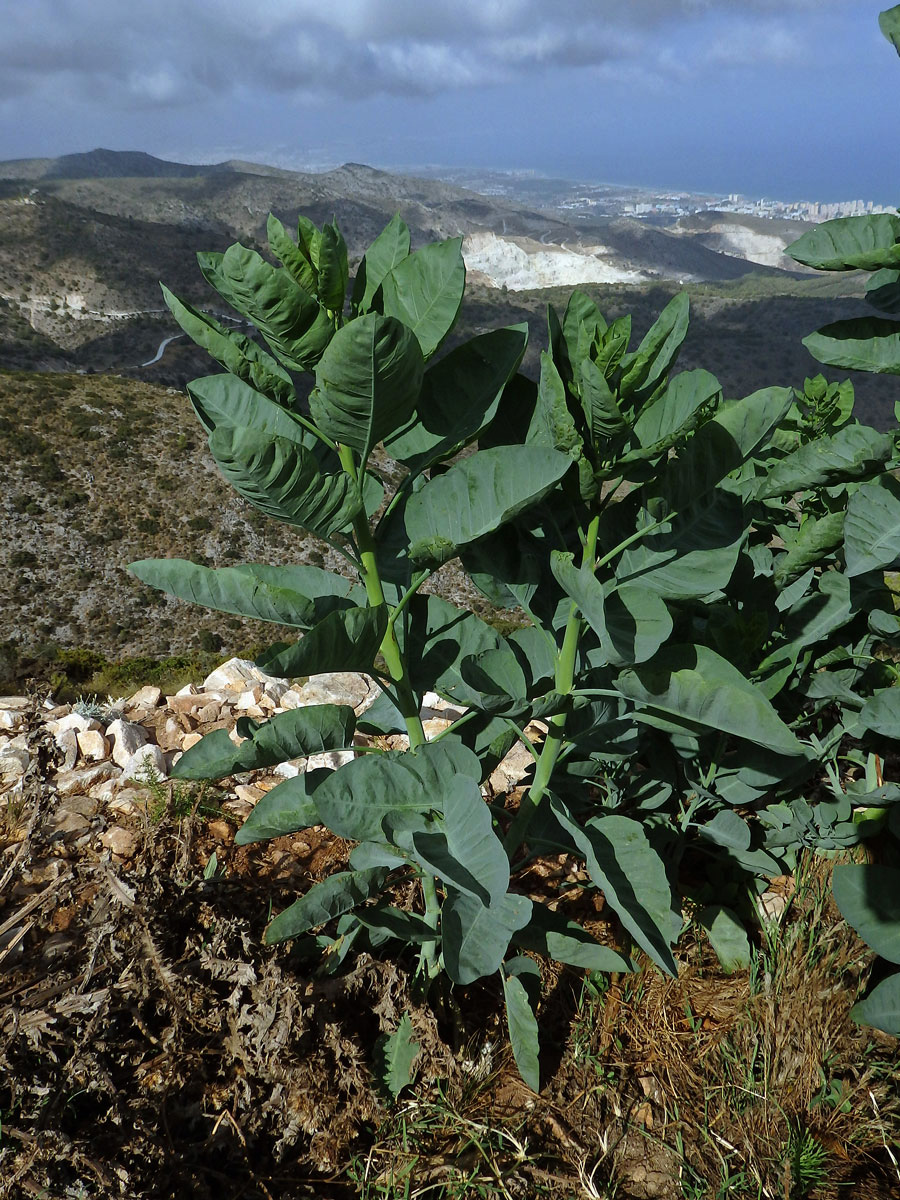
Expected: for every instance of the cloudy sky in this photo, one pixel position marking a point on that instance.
(787, 98)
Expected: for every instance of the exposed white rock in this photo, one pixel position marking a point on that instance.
(68, 743)
(332, 759)
(145, 697)
(11, 719)
(524, 264)
(76, 721)
(80, 782)
(341, 687)
(191, 739)
(126, 737)
(14, 758)
(119, 841)
(239, 674)
(146, 757)
(92, 745)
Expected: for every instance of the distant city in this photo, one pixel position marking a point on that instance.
(587, 201)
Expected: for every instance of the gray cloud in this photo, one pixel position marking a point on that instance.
(166, 53)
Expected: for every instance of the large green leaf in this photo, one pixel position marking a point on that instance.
(602, 413)
(883, 291)
(228, 400)
(333, 270)
(548, 932)
(695, 685)
(460, 847)
(235, 351)
(478, 495)
(692, 556)
(872, 526)
(727, 936)
(854, 452)
(815, 540)
(632, 622)
(436, 639)
(425, 292)
(643, 370)
(881, 1008)
(850, 243)
(727, 440)
(860, 344)
(367, 382)
(395, 1056)
(346, 640)
(287, 808)
(475, 936)
(523, 1030)
(632, 876)
(889, 22)
(282, 479)
(460, 397)
(354, 801)
(389, 248)
(298, 596)
(294, 259)
(297, 733)
(292, 321)
(582, 323)
(335, 895)
(677, 411)
(869, 899)
(881, 713)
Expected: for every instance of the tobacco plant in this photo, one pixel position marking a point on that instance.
(700, 581)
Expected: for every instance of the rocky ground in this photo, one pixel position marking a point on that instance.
(151, 1045)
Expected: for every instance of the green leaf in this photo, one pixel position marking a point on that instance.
(854, 452)
(235, 351)
(346, 640)
(282, 479)
(389, 248)
(727, 936)
(523, 1031)
(296, 327)
(727, 829)
(677, 412)
(860, 344)
(367, 382)
(460, 397)
(337, 894)
(461, 848)
(297, 733)
(724, 443)
(693, 684)
(632, 622)
(475, 937)
(881, 713)
(632, 876)
(643, 370)
(298, 596)
(693, 555)
(225, 400)
(881, 1008)
(582, 323)
(601, 411)
(394, 1057)
(287, 808)
(425, 292)
(354, 801)
(334, 274)
(565, 941)
(815, 540)
(294, 259)
(850, 243)
(883, 291)
(889, 22)
(869, 899)
(478, 495)
(872, 526)
(438, 637)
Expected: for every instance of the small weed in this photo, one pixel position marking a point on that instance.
(178, 798)
(806, 1163)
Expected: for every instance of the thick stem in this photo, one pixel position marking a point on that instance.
(556, 726)
(428, 954)
(390, 648)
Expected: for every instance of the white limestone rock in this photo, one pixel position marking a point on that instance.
(14, 758)
(92, 745)
(77, 722)
(127, 738)
(146, 697)
(144, 758)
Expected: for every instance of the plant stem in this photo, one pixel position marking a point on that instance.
(428, 955)
(556, 726)
(390, 649)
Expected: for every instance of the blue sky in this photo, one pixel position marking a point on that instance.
(788, 98)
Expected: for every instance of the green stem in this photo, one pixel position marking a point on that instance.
(390, 648)
(556, 726)
(634, 537)
(428, 954)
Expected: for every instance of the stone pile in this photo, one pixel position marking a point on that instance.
(107, 755)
